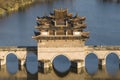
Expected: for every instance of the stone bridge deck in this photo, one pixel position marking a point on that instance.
(18, 48)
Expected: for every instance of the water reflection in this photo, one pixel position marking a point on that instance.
(32, 76)
(32, 63)
(110, 1)
(112, 64)
(23, 75)
(12, 63)
(17, 29)
(91, 63)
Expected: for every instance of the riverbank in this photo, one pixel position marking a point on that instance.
(8, 6)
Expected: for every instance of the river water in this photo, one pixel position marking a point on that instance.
(103, 21)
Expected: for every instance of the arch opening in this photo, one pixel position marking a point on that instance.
(31, 63)
(112, 64)
(91, 63)
(12, 63)
(61, 64)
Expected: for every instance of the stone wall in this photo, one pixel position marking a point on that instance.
(60, 43)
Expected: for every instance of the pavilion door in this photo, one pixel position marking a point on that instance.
(70, 32)
(61, 32)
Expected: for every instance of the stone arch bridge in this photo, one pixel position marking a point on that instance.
(72, 53)
(79, 53)
(21, 52)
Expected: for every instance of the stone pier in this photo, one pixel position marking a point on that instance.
(45, 66)
(76, 66)
(101, 63)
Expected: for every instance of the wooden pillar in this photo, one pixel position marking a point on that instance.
(66, 23)
(66, 32)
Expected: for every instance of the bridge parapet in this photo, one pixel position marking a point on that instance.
(103, 47)
(18, 48)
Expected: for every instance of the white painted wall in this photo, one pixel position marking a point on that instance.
(76, 33)
(45, 33)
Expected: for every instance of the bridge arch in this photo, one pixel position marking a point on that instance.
(91, 60)
(54, 56)
(11, 53)
(107, 54)
(26, 55)
(112, 63)
(12, 63)
(4, 56)
(31, 62)
(93, 53)
(61, 64)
